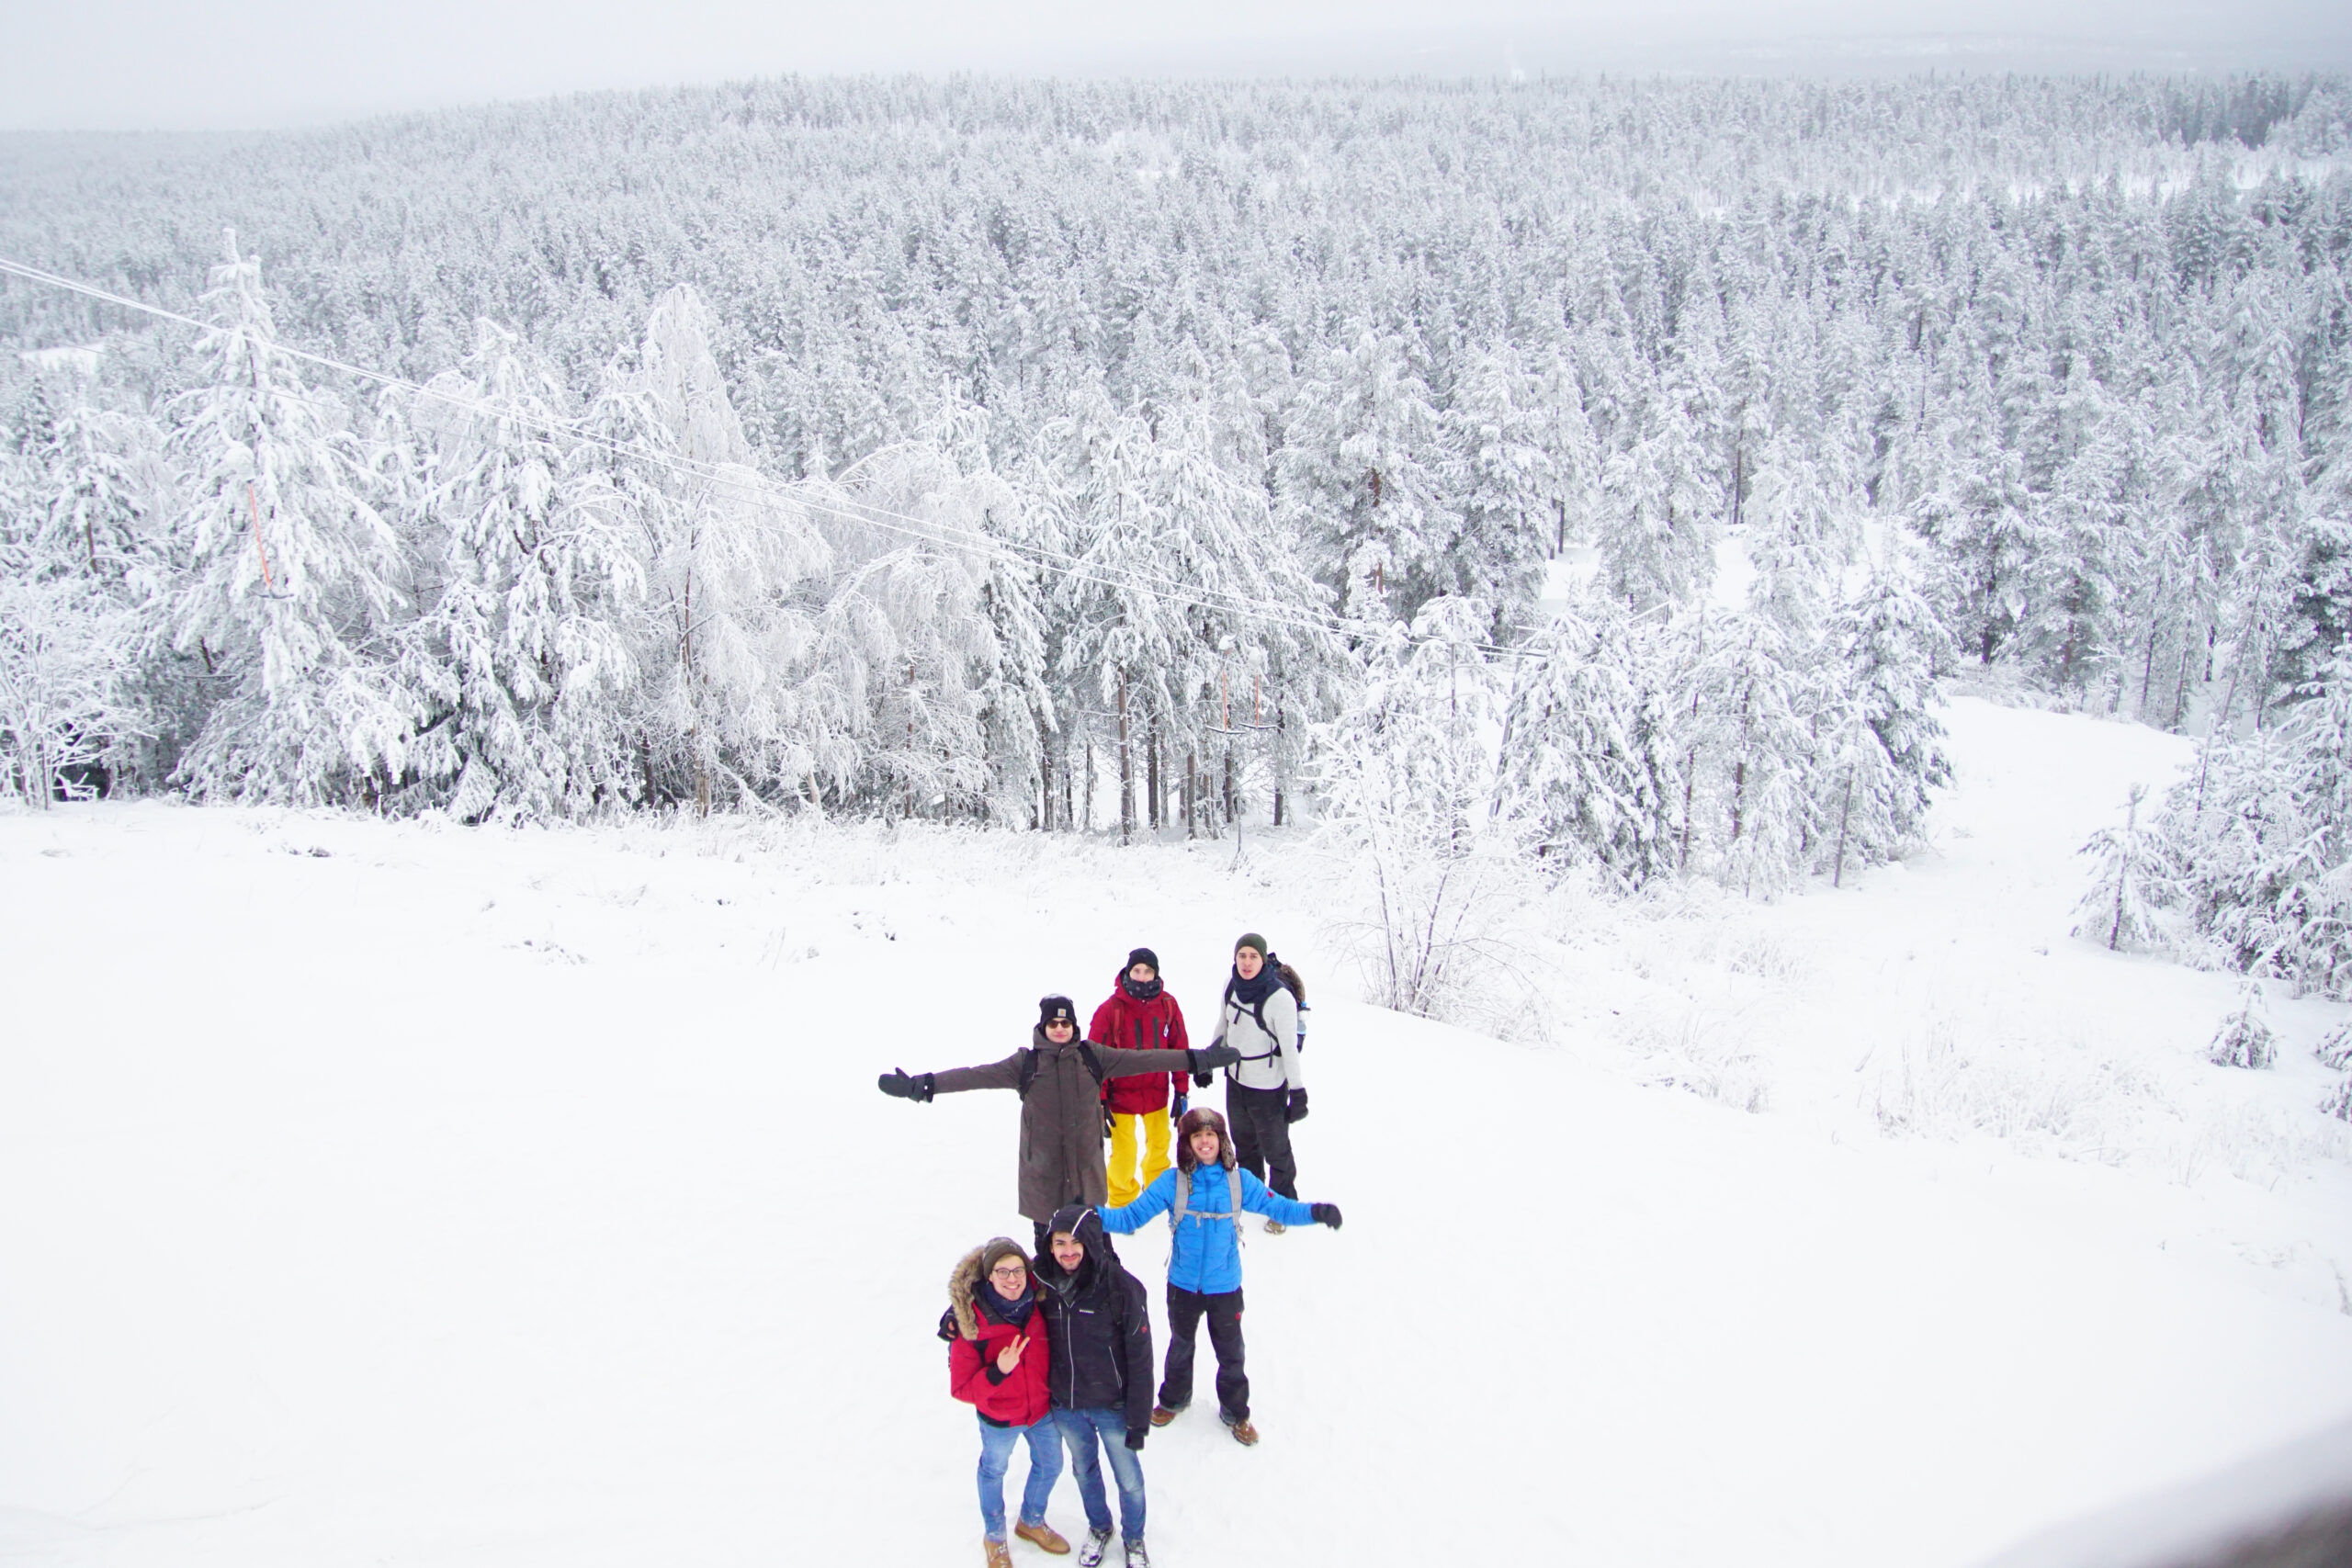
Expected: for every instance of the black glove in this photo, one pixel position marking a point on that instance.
(1296, 1110)
(1324, 1215)
(898, 1086)
(1202, 1080)
(1135, 1437)
(1177, 1107)
(1210, 1058)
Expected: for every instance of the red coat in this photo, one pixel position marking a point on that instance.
(1154, 1025)
(1021, 1400)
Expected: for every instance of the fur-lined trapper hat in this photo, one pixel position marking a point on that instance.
(965, 1277)
(1195, 1119)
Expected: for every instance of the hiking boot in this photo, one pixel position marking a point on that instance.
(1000, 1555)
(1136, 1556)
(1098, 1541)
(1042, 1538)
(1161, 1415)
(1243, 1433)
(1275, 1227)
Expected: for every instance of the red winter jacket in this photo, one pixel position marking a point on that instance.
(1154, 1025)
(1022, 1399)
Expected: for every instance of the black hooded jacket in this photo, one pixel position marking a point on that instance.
(1101, 1327)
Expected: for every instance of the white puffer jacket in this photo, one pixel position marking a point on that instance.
(1268, 1056)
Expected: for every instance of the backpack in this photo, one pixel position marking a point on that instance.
(1184, 1200)
(1294, 983)
(1085, 1053)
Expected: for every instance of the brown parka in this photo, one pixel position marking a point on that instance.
(1061, 1112)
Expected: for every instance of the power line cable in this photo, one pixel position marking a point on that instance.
(1217, 601)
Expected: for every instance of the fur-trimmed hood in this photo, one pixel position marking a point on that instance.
(966, 1278)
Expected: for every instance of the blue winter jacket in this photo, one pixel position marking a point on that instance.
(1207, 1255)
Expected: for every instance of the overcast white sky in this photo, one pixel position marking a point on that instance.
(120, 64)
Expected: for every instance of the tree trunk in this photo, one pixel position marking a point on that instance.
(1845, 809)
(1152, 773)
(1126, 770)
(1228, 781)
(1192, 793)
(1278, 764)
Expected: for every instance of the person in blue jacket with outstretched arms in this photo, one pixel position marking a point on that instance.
(1205, 1198)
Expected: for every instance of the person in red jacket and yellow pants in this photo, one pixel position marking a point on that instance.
(1139, 1015)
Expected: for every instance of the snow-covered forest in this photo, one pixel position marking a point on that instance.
(1138, 456)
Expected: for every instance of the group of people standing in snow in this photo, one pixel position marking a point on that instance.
(1054, 1349)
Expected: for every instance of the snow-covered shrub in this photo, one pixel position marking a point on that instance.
(65, 649)
(1704, 1053)
(2334, 1048)
(2338, 1102)
(1408, 808)
(2244, 1039)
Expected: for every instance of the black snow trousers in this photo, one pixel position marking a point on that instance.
(1262, 1135)
(1185, 1310)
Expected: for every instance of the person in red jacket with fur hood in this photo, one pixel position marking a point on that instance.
(1140, 1015)
(999, 1361)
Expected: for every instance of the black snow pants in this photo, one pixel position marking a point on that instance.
(1185, 1310)
(1262, 1135)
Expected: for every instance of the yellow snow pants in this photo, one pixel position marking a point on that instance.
(1125, 1187)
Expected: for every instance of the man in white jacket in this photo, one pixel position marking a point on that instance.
(1265, 1091)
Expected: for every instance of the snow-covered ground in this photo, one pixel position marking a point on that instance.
(407, 1194)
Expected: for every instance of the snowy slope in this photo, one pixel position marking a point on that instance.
(469, 1197)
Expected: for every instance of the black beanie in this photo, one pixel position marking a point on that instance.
(1053, 1009)
(1144, 956)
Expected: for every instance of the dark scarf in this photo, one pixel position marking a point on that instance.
(1252, 993)
(1142, 990)
(1013, 1315)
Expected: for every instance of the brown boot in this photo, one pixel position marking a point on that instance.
(1243, 1433)
(1161, 1416)
(1042, 1538)
(999, 1554)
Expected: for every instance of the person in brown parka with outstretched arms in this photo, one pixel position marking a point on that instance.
(1059, 1079)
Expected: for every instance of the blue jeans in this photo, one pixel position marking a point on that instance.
(996, 1457)
(1079, 1430)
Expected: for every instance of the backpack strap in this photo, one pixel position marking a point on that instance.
(1085, 1053)
(1183, 1199)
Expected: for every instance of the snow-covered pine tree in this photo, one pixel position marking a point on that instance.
(1591, 757)
(1887, 641)
(2118, 909)
(524, 654)
(1753, 749)
(291, 597)
(2262, 832)
(1501, 479)
(1359, 475)
(1659, 519)
(723, 549)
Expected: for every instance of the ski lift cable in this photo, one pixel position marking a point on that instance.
(1214, 600)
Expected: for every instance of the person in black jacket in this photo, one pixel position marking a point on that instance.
(1098, 1331)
